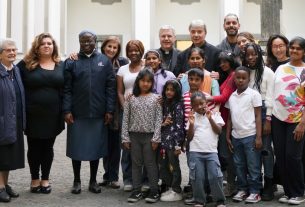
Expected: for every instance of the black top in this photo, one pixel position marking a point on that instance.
(43, 94)
(277, 64)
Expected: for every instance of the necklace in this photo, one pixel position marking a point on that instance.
(11, 74)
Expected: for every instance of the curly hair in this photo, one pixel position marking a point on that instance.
(32, 58)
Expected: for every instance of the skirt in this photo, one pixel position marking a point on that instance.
(87, 139)
(12, 155)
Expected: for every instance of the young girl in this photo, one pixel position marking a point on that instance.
(141, 133)
(196, 59)
(153, 59)
(172, 136)
(262, 80)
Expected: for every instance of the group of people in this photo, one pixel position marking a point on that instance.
(237, 115)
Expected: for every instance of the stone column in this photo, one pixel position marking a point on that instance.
(3, 18)
(270, 17)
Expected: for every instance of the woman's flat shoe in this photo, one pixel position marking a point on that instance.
(4, 197)
(11, 192)
(36, 189)
(76, 188)
(46, 189)
(94, 188)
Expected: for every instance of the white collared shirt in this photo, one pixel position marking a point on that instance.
(242, 112)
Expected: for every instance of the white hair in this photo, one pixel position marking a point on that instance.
(5, 42)
(167, 27)
(198, 23)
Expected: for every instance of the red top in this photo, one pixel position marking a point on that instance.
(226, 89)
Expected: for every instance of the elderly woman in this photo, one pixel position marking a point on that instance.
(43, 79)
(288, 122)
(12, 118)
(89, 102)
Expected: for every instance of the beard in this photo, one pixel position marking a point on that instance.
(231, 33)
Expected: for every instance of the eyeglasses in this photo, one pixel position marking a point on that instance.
(278, 46)
(10, 50)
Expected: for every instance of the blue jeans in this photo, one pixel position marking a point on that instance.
(248, 164)
(126, 167)
(201, 163)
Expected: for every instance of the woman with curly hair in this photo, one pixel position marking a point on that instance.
(42, 75)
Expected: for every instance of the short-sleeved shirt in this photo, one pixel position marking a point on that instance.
(129, 78)
(242, 112)
(205, 139)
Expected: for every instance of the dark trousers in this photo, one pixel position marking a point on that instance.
(288, 153)
(171, 177)
(142, 154)
(111, 162)
(40, 156)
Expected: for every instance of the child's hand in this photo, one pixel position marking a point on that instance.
(128, 96)
(229, 143)
(208, 113)
(167, 121)
(191, 117)
(258, 143)
(177, 152)
(160, 100)
(127, 145)
(154, 145)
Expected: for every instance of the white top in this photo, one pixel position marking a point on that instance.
(205, 139)
(289, 93)
(242, 112)
(129, 78)
(267, 87)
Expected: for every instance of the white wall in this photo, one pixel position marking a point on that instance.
(102, 19)
(292, 18)
(180, 16)
(250, 18)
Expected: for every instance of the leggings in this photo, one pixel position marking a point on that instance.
(40, 156)
(93, 170)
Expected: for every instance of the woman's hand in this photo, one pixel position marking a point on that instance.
(108, 118)
(180, 76)
(299, 131)
(214, 75)
(230, 146)
(73, 56)
(69, 118)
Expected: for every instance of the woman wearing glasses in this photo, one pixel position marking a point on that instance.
(12, 118)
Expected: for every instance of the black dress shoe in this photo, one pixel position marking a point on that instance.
(46, 189)
(4, 197)
(94, 188)
(76, 188)
(36, 189)
(104, 183)
(11, 192)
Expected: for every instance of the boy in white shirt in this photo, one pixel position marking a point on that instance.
(203, 128)
(244, 136)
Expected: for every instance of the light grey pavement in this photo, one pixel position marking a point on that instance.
(61, 179)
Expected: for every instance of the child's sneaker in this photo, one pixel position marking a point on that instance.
(296, 200)
(284, 199)
(135, 196)
(253, 198)
(171, 196)
(153, 197)
(166, 192)
(240, 196)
